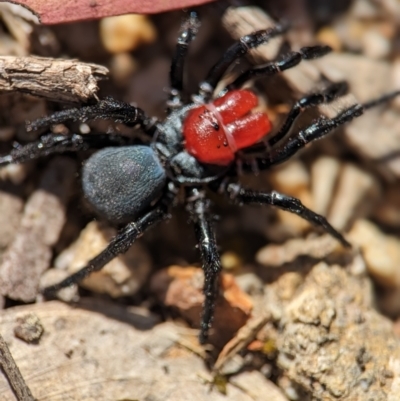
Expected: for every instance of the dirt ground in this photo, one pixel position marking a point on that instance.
(298, 316)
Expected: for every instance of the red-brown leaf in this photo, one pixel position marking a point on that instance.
(58, 11)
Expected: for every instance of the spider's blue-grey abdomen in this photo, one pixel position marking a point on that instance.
(121, 182)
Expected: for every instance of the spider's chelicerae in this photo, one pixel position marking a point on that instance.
(194, 150)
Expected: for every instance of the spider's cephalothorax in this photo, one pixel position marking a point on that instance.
(194, 149)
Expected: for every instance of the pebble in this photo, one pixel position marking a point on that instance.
(387, 211)
(354, 196)
(54, 276)
(123, 276)
(274, 256)
(324, 174)
(329, 36)
(11, 207)
(375, 44)
(381, 252)
(122, 67)
(29, 328)
(396, 80)
(125, 33)
(293, 179)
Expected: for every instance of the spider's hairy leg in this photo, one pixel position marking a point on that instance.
(211, 263)
(236, 51)
(289, 147)
(50, 144)
(293, 205)
(332, 92)
(187, 34)
(275, 67)
(118, 245)
(107, 109)
(323, 126)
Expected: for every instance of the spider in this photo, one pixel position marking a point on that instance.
(201, 146)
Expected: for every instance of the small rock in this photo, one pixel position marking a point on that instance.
(182, 288)
(11, 211)
(375, 45)
(381, 252)
(54, 276)
(387, 212)
(314, 247)
(16, 173)
(293, 179)
(396, 80)
(231, 261)
(329, 36)
(331, 332)
(257, 387)
(122, 67)
(125, 33)
(354, 196)
(29, 328)
(123, 276)
(29, 254)
(324, 174)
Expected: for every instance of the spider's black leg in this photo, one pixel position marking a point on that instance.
(107, 109)
(188, 33)
(284, 202)
(323, 126)
(118, 245)
(289, 61)
(331, 93)
(199, 212)
(285, 150)
(237, 50)
(49, 144)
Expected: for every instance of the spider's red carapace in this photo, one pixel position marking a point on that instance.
(214, 132)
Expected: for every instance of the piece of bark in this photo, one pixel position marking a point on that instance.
(68, 81)
(54, 12)
(30, 253)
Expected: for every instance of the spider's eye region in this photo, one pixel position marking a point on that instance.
(214, 132)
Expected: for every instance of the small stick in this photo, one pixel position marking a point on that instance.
(13, 374)
(68, 81)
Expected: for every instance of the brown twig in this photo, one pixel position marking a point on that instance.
(69, 81)
(13, 374)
